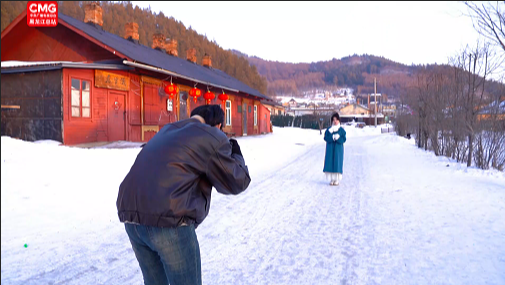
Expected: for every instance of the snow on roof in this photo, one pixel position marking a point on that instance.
(16, 63)
(492, 108)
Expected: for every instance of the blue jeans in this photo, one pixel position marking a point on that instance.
(167, 255)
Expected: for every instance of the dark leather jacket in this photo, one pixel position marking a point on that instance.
(173, 175)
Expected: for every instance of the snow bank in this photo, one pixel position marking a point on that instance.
(403, 144)
(48, 142)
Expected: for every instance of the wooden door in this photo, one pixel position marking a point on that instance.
(116, 117)
(244, 115)
(183, 105)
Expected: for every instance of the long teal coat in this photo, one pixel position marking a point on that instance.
(334, 158)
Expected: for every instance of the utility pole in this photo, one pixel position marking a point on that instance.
(375, 95)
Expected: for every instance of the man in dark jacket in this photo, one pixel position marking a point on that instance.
(167, 192)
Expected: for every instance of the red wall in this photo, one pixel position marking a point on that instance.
(250, 118)
(236, 117)
(49, 44)
(155, 107)
(84, 130)
(95, 129)
(134, 109)
(263, 125)
(251, 129)
(264, 119)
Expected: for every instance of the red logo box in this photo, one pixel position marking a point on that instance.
(42, 13)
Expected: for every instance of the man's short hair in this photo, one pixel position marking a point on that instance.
(212, 114)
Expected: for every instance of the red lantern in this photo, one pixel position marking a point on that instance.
(223, 97)
(195, 93)
(209, 96)
(171, 90)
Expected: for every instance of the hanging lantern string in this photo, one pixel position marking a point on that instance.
(171, 82)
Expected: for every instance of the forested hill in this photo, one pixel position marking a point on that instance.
(116, 15)
(354, 71)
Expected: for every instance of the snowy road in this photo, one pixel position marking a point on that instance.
(291, 227)
(395, 219)
(400, 216)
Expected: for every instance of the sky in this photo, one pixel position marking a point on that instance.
(405, 32)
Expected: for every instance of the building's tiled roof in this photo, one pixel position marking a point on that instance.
(156, 58)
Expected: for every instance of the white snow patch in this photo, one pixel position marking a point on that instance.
(48, 142)
(16, 63)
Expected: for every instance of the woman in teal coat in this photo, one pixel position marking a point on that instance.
(334, 158)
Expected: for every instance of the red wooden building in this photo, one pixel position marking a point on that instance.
(77, 83)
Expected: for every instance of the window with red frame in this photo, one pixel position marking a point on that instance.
(81, 98)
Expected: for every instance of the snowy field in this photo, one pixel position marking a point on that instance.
(400, 216)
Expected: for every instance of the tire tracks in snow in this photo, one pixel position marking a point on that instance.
(354, 218)
(292, 227)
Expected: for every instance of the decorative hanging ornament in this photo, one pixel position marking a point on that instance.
(171, 90)
(209, 96)
(195, 93)
(223, 96)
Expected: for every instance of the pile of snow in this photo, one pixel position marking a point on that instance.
(396, 142)
(48, 142)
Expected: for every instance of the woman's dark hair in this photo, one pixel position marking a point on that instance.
(212, 114)
(336, 115)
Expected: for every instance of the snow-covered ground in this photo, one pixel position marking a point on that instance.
(400, 216)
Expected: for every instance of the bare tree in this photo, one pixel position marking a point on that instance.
(491, 140)
(471, 70)
(405, 122)
(431, 100)
(424, 87)
(438, 101)
(489, 20)
(497, 130)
